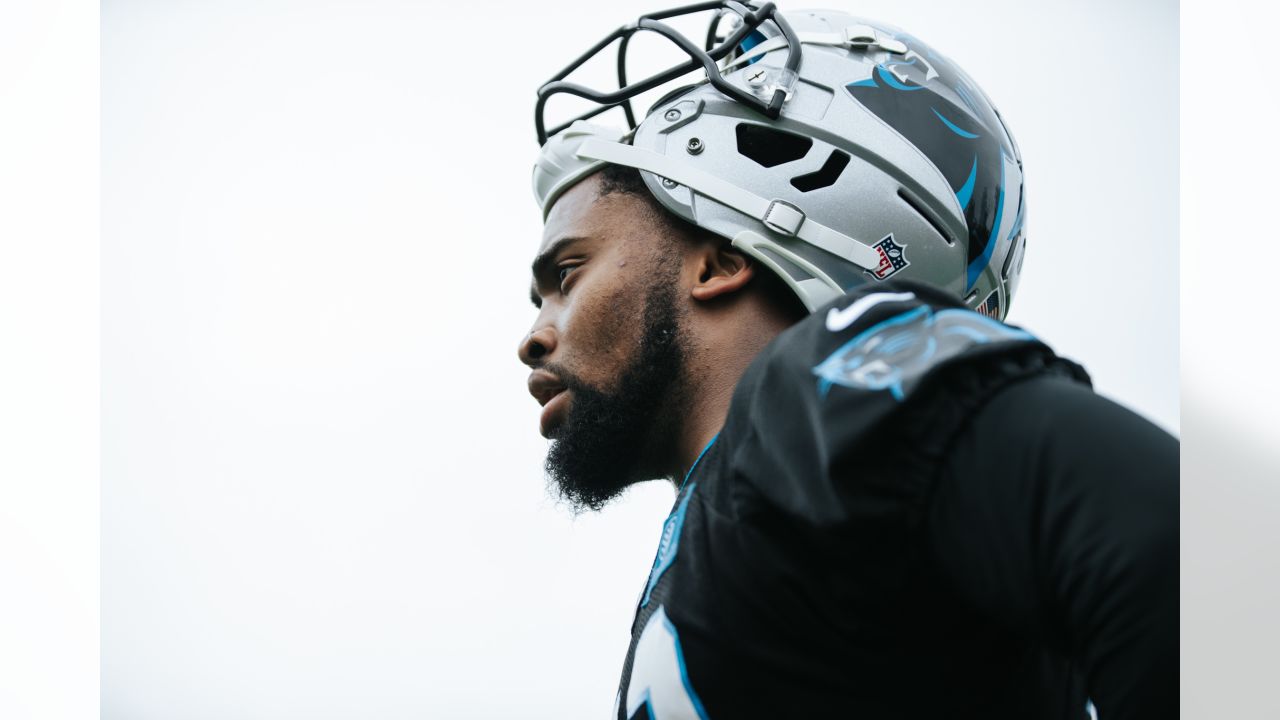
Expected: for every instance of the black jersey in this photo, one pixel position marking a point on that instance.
(914, 511)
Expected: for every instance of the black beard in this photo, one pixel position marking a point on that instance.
(606, 442)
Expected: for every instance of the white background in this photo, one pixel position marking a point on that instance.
(321, 494)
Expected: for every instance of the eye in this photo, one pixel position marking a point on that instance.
(563, 273)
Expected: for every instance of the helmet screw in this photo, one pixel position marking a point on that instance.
(694, 146)
(672, 115)
(756, 76)
(668, 183)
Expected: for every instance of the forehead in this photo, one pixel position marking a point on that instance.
(581, 212)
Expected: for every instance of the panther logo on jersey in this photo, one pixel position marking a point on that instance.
(893, 354)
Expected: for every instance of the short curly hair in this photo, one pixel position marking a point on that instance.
(622, 179)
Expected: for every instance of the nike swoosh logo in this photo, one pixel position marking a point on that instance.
(838, 320)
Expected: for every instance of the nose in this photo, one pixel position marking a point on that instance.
(537, 346)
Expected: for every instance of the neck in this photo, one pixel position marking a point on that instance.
(724, 342)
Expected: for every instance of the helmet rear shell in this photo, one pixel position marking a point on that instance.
(899, 150)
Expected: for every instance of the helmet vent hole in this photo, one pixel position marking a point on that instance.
(825, 176)
(909, 198)
(1015, 248)
(770, 147)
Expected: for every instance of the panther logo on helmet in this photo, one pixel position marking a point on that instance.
(820, 144)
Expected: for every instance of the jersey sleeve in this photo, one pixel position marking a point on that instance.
(1056, 513)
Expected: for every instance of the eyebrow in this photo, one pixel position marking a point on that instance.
(542, 264)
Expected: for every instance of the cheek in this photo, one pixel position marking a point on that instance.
(602, 327)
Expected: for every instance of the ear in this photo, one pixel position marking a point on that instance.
(721, 271)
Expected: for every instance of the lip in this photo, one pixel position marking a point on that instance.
(549, 391)
(553, 413)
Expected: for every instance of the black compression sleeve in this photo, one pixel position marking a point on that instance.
(1057, 515)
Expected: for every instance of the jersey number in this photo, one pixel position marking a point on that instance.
(658, 676)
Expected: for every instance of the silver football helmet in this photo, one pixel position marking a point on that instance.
(834, 150)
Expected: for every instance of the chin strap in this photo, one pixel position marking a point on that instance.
(778, 215)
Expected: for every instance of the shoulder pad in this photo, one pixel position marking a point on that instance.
(888, 340)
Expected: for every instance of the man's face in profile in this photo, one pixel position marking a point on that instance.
(607, 348)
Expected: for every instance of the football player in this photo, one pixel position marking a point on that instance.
(782, 289)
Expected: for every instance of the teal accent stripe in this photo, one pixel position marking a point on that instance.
(695, 462)
(965, 193)
(671, 529)
(980, 262)
(684, 671)
(954, 128)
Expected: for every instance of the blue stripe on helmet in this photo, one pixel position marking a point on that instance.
(975, 267)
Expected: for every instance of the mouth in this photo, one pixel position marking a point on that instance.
(551, 393)
(553, 413)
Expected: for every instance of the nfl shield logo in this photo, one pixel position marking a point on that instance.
(893, 257)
